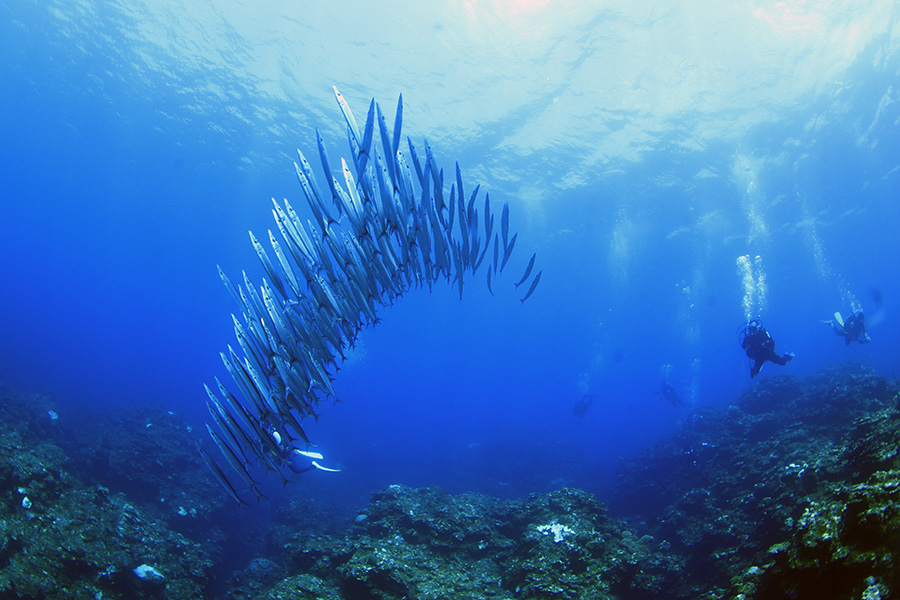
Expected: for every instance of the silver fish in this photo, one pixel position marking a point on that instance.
(348, 115)
(507, 251)
(527, 270)
(534, 284)
(496, 252)
(504, 223)
(219, 476)
(389, 227)
(365, 147)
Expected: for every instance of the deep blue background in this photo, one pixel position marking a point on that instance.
(126, 179)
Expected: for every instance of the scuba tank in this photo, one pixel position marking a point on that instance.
(749, 328)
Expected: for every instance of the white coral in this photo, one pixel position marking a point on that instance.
(149, 573)
(560, 532)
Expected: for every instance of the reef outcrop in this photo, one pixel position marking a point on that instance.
(791, 492)
(424, 543)
(62, 539)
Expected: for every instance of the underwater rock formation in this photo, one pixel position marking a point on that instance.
(424, 543)
(145, 452)
(792, 492)
(61, 539)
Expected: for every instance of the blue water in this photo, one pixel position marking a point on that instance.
(642, 150)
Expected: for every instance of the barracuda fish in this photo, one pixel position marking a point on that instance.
(451, 210)
(527, 270)
(229, 425)
(231, 289)
(389, 226)
(250, 348)
(257, 335)
(534, 284)
(286, 268)
(355, 209)
(504, 223)
(459, 269)
(398, 125)
(348, 114)
(507, 252)
(223, 421)
(255, 437)
(387, 146)
(298, 242)
(474, 258)
(365, 147)
(235, 408)
(420, 172)
(254, 304)
(404, 184)
(329, 178)
(237, 376)
(496, 252)
(294, 424)
(311, 191)
(463, 225)
(231, 458)
(219, 476)
(459, 187)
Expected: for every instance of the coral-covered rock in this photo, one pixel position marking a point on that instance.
(424, 543)
(82, 542)
(792, 492)
(61, 538)
(788, 493)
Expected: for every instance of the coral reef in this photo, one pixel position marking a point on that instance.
(424, 543)
(61, 539)
(148, 454)
(792, 492)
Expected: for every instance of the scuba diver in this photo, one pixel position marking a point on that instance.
(853, 329)
(581, 407)
(301, 461)
(760, 347)
(668, 392)
(298, 461)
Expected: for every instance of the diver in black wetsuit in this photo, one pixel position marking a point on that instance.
(669, 393)
(581, 407)
(298, 461)
(853, 329)
(760, 347)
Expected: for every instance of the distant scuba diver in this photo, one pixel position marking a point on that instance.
(668, 392)
(854, 328)
(760, 347)
(581, 407)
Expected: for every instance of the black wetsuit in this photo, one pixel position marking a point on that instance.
(855, 329)
(581, 407)
(760, 347)
(668, 392)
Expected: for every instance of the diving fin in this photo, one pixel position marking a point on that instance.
(321, 468)
(308, 454)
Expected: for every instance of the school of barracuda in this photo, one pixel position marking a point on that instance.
(375, 239)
